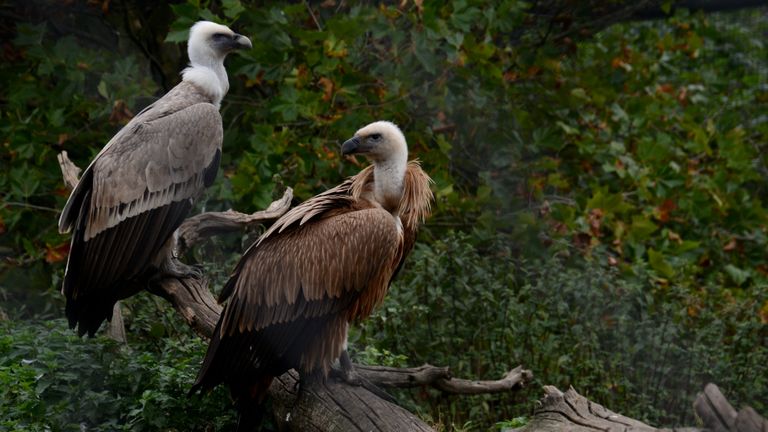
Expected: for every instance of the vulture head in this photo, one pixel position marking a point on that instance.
(382, 142)
(210, 42)
(208, 45)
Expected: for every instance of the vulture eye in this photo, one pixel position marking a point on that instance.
(220, 36)
(375, 137)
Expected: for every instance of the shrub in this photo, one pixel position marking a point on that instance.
(640, 348)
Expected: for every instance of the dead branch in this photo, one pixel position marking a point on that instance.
(571, 411)
(193, 301)
(440, 378)
(716, 412)
(204, 225)
(69, 170)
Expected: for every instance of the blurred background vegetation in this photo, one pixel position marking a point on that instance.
(600, 182)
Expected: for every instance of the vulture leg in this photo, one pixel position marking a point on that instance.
(347, 372)
(170, 266)
(174, 268)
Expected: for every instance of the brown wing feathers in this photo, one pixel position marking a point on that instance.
(325, 263)
(293, 293)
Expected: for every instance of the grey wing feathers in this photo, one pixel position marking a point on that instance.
(153, 164)
(131, 198)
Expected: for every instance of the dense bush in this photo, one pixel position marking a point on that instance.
(50, 379)
(638, 348)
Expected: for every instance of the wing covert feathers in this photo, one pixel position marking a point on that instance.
(162, 161)
(312, 270)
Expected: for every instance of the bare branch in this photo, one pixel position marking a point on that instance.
(440, 378)
(718, 414)
(204, 225)
(69, 170)
(192, 300)
(571, 411)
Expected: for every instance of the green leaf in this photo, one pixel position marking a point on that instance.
(737, 275)
(102, 89)
(658, 263)
(232, 8)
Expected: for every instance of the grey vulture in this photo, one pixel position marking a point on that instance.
(142, 184)
(324, 264)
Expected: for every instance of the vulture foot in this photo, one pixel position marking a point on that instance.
(347, 372)
(177, 269)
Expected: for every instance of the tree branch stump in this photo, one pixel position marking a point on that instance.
(573, 412)
(717, 413)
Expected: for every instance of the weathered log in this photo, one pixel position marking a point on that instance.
(336, 406)
(717, 414)
(573, 412)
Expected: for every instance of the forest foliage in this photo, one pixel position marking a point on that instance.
(599, 210)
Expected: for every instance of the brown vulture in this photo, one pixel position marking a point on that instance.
(142, 184)
(324, 264)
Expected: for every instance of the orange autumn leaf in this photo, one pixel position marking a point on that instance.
(510, 76)
(764, 313)
(665, 88)
(54, 254)
(120, 114)
(595, 219)
(327, 86)
(663, 211)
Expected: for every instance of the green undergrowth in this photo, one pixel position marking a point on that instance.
(621, 339)
(52, 380)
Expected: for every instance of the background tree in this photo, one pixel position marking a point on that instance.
(600, 187)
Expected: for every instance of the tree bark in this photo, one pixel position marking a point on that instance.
(716, 412)
(573, 412)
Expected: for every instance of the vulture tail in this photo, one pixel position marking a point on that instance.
(251, 406)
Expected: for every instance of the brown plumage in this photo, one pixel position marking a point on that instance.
(324, 264)
(142, 184)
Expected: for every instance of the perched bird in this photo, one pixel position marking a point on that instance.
(324, 264)
(142, 184)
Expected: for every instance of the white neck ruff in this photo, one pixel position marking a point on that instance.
(212, 79)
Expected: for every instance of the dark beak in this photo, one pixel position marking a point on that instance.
(241, 42)
(350, 146)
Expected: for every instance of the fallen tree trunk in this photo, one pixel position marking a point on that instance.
(573, 412)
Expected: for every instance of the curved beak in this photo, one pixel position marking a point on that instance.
(350, 146)
(241, 42)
